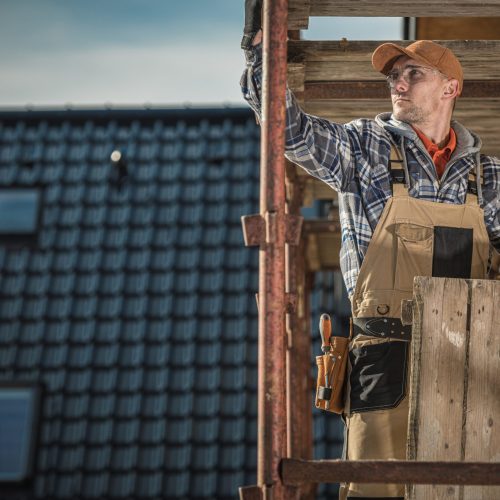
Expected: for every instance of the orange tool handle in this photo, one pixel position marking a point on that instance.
(325, 329)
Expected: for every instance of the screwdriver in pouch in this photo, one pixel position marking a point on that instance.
(325, 330)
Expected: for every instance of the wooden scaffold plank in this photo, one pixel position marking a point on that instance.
(404, 8)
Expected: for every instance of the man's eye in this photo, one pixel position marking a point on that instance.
(415, 73)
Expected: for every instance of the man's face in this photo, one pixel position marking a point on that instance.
(416, 91)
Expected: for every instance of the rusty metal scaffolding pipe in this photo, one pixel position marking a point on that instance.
(272, 430)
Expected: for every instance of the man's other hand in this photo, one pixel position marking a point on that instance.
(253, 23)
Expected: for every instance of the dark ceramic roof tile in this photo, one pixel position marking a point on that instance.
(105, 355)
(177, 484)
(171, 151)
(212, 258)
(109, 307)
(75, 407)
(233, 431)
(118, 215)
(183, 354)
(50, 216)
(232, 457)
(215, 213)
(139, 237)
(161, 306)
(54, 356)
(7, 356)
(131, 355)
(27, 332)
(158, 330)
(154, 405)
(236, 281)
(182, 380)
(180, 405)
(91, 237)
(160, 283)
(134, 331)
(95, 194)
(57, 332)
(84, 307)
(185, 330)
(107, 330)
(138, 260)
(28, 357)
(88, 260)
(179, 431)
(151, 457)
(110, 283)
(136, 283)
(156, 379)
(40, 262)
(235, 328)
(210, 305)
(78, 381)
(130, 380)
(122, 484)
(62, 284)
(233, 404)
(59, 308)
(53, 171)
(102, 406)
(115, 237)
(234, 354)
(98, 173)
(33, 308)
(163, 260)
(192, 192)
(95, 485)
(150, 484)
(177, 459)
(229, 482)
(83, 331)
(142, 215)
(207, 405)
(104, 380)
(8, 173)
(206, 430)
(153, 431)
(125, 432)
(128, 405)
(98, 457)
(87, 284)
(134, 307)
(94, 216)
(205, 457)
(80, 356)
(143, 194)
(233, 378)
(12, 284)
(74, 431)
(72, 195)
(211, 327)
(113, 261)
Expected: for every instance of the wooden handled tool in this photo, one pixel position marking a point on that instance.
(325, 329)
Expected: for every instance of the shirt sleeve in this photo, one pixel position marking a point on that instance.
(321, 147)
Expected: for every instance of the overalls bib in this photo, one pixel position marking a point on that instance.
(413, 238)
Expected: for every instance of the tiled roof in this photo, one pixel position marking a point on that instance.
(136, 308)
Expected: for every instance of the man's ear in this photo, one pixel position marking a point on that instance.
(451, 89)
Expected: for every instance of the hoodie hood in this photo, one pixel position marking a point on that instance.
(467, 141)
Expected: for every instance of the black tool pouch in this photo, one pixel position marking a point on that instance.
(378, 376)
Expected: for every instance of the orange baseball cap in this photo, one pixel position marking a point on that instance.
(424, 51)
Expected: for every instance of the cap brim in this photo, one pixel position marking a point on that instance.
(386, 54)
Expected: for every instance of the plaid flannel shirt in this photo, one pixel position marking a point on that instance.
(353, 159)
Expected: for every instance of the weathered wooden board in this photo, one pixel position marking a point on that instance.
(298, 14)
(482, 437)
(451, 28)
(351, 60)
(398, 8)
(454, 381)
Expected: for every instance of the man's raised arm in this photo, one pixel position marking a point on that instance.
(319, 146)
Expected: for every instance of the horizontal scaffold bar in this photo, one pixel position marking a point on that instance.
(296, 472)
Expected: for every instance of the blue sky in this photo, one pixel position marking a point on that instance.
(136, 52)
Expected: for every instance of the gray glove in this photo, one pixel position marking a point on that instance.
(253, 22)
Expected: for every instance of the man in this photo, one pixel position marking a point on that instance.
(416, 197)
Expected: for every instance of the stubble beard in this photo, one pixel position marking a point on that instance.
(412, 114)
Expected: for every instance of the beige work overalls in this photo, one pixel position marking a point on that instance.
(413, 238)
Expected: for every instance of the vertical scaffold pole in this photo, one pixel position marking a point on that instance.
(272, 431)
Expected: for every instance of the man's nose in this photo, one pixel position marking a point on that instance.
(400, 85)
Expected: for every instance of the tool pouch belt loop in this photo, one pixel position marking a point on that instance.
(331, 376)
(385, 328)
